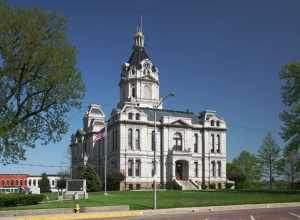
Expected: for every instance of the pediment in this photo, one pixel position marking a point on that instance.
(180, 122)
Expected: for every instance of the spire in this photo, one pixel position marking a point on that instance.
(139, 36)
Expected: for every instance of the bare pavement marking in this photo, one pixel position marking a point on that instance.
(295, 215)
(251, 217)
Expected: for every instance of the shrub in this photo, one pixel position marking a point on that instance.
(114, 179)
(19, 199)
(212, 186)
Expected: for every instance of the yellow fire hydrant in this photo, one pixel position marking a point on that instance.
(77, 208)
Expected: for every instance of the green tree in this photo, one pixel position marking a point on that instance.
(244, 170)
(92, 178)
(290, 93)
(249, 167)
(61, 182)
(114, 179)
(39, 80)
(269, 159)
(235, 174)
(290, 164)
(44, 183)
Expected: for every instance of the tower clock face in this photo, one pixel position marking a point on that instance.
(146, 65)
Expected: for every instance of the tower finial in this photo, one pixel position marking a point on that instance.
(139, 36)
(141, 24)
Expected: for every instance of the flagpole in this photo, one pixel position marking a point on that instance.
(105, 157)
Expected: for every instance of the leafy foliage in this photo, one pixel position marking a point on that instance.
(290, 93)
(269, 158)
(290, 164)
(20, 199)
(114, 179)
(290, 131)
(39, 81)
(244, 170)
(92, 178)
(61, 183)
(44, 184)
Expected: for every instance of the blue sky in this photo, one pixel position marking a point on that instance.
(220, 55)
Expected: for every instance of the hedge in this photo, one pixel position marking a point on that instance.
(20, 199)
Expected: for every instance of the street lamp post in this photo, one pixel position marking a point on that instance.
(154, 176)
(105, 158)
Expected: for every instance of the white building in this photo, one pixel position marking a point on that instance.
(33, 183)
(190, 148)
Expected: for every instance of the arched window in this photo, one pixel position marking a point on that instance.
(133, 91)
(218, 144)
(17, 182)
(196, 143)
(213, 168)
(130, 115)
(130, 138)
(137, 139)
(218, 123)
(212, 143)
(138, 167)
(21, 182)
(153, 141)
(137, 116)
(29, 182)
(212, 123)
(219, 169)
(130, 167)
(12, 182)
(178, 141)
(34, 182)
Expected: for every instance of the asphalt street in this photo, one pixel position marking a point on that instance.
(251, 214)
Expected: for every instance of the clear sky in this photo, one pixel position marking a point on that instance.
(220, 55)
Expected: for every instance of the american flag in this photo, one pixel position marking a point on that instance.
(100, 135)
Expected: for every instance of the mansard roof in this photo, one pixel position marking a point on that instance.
(138, 55)
(166, 112)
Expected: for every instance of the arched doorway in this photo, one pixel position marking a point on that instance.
(182, 170)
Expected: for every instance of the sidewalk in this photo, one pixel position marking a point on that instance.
(115, 214)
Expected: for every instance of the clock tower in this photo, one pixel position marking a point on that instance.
(139, 84)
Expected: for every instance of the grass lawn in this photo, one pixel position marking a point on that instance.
(171, 199)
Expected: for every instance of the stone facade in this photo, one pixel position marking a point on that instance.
(189, 147)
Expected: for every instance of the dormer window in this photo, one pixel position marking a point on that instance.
(218, 123)
(212, 123)
(130, 116)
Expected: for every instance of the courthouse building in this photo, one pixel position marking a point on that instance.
(190, 147)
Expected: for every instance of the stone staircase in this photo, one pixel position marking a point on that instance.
(186, 185)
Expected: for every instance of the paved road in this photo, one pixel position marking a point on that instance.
(253, 214)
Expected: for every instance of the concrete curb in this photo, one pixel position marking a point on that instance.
(80, 216)
(31, 212)
(115, 214)
(218, 208)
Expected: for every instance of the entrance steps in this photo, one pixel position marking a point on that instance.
(186, 185)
